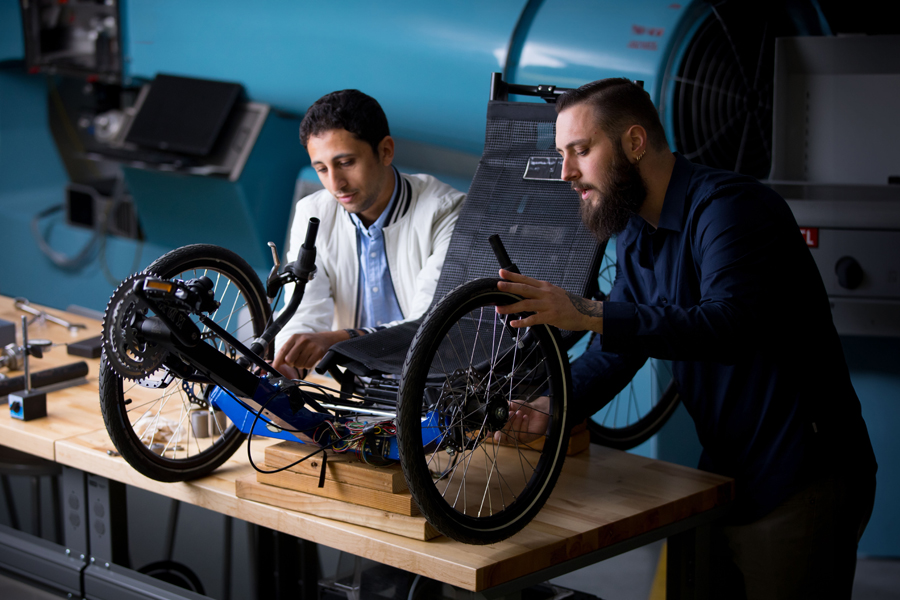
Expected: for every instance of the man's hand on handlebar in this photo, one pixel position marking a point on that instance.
(549, 304)
(305, 350)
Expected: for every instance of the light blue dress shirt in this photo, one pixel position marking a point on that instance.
(377, 304)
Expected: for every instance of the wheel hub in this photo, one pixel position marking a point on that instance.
(497, 410)
(471, 412)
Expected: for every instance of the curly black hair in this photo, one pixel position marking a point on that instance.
(351, 110)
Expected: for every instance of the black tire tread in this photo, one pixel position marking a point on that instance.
(420, 484)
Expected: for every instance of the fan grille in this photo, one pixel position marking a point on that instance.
(722, 92)
(722, 110)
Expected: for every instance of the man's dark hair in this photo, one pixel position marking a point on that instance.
(352, 110)
(618, 103)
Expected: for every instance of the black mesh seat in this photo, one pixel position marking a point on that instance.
(534, 212)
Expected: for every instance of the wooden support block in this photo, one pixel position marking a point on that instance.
(579, 441)
(400, 503)
(414, 527)
(343, 468)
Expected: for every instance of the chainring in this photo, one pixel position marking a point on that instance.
(126, 352)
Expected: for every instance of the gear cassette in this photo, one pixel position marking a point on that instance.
(131, 356)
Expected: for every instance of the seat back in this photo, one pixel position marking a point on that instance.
(516, 193)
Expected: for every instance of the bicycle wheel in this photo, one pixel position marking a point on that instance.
(645, 404)
(150, 420)
(462, 372)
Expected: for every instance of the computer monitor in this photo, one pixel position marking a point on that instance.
(183, 114)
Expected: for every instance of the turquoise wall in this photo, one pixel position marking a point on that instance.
(406, 54)
(11, 45)
(875, 369)
(32, 178)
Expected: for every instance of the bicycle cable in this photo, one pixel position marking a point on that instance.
(258, 414)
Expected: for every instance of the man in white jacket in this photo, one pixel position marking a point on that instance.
(382, 236)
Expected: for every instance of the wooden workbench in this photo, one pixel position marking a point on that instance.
(72, 410)
(604, 498)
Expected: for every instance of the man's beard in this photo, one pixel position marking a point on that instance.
(620, 198)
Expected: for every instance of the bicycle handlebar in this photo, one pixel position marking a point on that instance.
(312, 230)
(303, 270)
(503, 258)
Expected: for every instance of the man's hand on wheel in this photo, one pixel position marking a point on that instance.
(527, 422)
(549, 304)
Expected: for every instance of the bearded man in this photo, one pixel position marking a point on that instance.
(713, 274)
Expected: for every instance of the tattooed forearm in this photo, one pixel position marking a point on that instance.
(585, 306)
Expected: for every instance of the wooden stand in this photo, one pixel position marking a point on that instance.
(353, 491)
(341, 468)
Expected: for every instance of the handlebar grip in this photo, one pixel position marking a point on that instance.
(312, 230)
(44, 378)
(306, 261)
(328, 361)
(500, 252)
(59, 374)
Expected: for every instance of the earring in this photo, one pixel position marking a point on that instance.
(638, 159)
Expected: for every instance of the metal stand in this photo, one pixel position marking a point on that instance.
(97, 537)
(688, 565)
(347, 578)
(29, 404)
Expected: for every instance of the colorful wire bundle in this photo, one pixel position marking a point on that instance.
(358, 437)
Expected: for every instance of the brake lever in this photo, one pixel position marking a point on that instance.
(274, 281)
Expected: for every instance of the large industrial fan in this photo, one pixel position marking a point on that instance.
(718, 100)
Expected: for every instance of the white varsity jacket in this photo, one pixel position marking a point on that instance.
(416, 238)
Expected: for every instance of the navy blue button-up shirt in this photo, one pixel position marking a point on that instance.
(726, 288)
